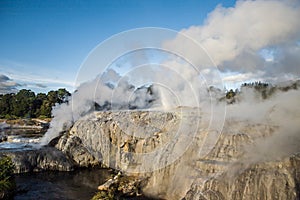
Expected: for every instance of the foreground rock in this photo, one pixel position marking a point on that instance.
(61, 154)
(73, 148)
(45, 158)
(199, 168)
(268, 181)
(225, 173)
(122, 187)
(3, 138)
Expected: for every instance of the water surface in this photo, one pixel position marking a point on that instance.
(80, 184)
(21, 139)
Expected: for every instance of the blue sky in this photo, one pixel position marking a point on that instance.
(45, 42)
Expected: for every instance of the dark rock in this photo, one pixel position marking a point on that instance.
(3, 138)
(45, 158)
(55, 140)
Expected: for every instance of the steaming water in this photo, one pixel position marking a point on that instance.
(21, 139)
(80, 184)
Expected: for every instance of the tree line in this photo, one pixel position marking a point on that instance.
(263, 90)
(27, 104)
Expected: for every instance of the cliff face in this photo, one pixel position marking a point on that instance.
(133, 141)
(271, 180)
(231, 178)
(182, 157)
(227, 173)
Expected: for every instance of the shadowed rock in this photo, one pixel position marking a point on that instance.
(45, 158)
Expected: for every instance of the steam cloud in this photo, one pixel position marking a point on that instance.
(97, 93)
(234, 38)
(281, 111)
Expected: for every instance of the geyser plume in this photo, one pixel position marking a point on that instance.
(233, 38)
(134, 81)
(98, 95)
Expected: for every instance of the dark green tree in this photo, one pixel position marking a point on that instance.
(46, 109)
(26, 104)
(52, 97)
(63, 95)
(22, 104)
(5, 104)
(38, 102)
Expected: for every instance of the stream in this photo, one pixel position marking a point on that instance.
(78, 184)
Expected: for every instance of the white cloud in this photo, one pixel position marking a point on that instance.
(36, 78)
(242, 77)
(233, 37)
(7, 85)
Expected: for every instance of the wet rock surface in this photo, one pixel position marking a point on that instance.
(60, 155)
(3, 137)
(34, 160)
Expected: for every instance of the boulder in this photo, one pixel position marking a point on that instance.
(45, 158)
(3, 138)
(74, 149)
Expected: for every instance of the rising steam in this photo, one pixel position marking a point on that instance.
(281, 111)
(234, 38)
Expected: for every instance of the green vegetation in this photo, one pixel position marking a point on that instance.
(122, 187)
(26, 104)
(7, 183)
(105, 195)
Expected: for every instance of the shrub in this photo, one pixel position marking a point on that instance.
(7, 183)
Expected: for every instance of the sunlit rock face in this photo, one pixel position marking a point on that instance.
(225, 173)
(73, 148)
(183, 157)
(120, 139)
(268, 180)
